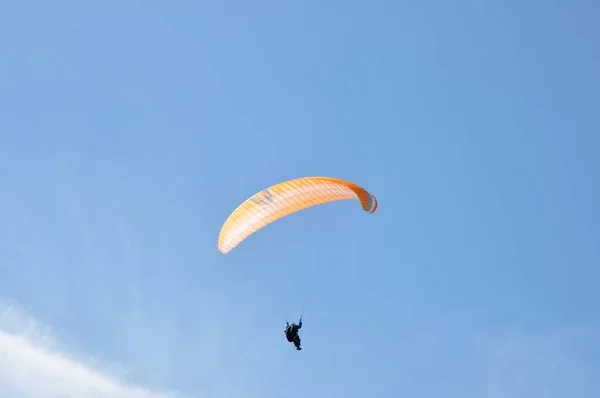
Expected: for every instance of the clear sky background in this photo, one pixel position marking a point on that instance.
(129, 130)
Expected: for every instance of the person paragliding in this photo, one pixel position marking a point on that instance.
(281, 200)
(291, 333)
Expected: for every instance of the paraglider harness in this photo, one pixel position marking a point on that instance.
(291, 333)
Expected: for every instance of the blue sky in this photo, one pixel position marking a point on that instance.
(130, 131)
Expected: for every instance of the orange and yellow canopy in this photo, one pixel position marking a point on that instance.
(285, 198)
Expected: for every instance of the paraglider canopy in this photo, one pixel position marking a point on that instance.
(285, 198)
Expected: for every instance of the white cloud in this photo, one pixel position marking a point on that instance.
(32, 365)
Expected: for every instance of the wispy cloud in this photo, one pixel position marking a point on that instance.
(33, 364)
